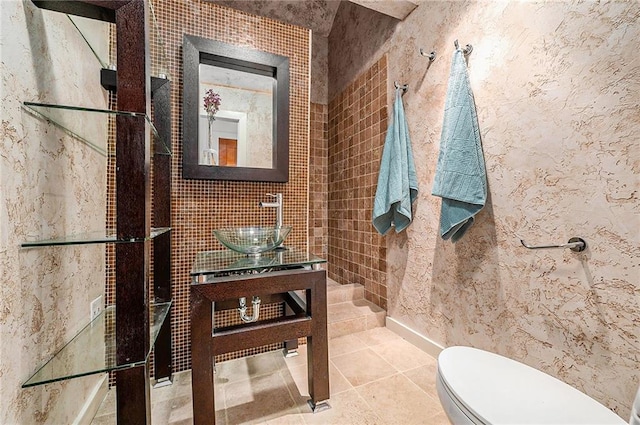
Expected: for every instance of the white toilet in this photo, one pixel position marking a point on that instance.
(482, 388)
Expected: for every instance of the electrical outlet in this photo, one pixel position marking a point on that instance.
(96, 307)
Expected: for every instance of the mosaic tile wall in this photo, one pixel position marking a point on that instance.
(357, 128)
(199, 206)
(318, 181)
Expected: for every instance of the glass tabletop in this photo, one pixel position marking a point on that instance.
(227, 261)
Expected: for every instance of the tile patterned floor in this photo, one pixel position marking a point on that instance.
(376, 377)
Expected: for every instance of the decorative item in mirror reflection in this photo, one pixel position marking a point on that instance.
(212, 102)
(211, 105)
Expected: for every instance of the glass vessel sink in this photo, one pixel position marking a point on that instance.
(252, 241)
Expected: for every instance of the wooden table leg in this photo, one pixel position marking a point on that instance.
(317, 346)
(202, 360)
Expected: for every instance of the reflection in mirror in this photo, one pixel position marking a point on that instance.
(235, 121)
(240, 133)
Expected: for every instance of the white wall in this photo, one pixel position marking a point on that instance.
(50, 185)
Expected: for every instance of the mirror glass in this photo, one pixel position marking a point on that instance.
(240, 132)
(235, 117)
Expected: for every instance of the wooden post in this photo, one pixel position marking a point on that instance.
(162, 218)
(202, 360)
(133, 211)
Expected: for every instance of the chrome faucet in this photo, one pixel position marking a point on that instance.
(278, 205)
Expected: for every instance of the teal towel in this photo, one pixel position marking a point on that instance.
(460, 179)
(397, 181)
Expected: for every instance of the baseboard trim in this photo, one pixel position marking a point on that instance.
(91, 406)
(422, 342)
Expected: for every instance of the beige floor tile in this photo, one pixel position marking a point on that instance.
(365, 307)
(298, 384)
(163, 393)
(182, 383)
(287, 419)
(245, 367)
(347, 408)
(181, 409)
(343, 311)
(160, 411)
(336, 295)
(375, 320)
(363, 366)
(376, 336)
(439, 419)
(337, 381)
(219, 394)
(403, 355)
(296, 379)
(346, 327)
(160, 414)
(345, 344)
(425, 378)
(258, 399)
(269, 389)
(397, 400)
(188, 421)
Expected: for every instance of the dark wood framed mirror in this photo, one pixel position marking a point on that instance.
(247, 138)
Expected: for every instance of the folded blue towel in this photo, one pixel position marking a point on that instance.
(397, 181)
(460, 179)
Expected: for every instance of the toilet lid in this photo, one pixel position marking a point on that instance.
(501, 391)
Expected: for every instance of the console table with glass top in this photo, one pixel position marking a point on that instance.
(220, 278)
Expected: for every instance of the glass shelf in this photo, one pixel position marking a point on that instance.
(107, 57)
(93, 350)
(157, 49)
(73, 121)
(91, 238)
(99, 46)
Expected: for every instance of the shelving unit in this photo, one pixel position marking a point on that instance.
(123, 336)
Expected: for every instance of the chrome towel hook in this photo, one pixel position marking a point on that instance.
(467, 49)
(431, 56)
(404, 87)
(574, 244)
